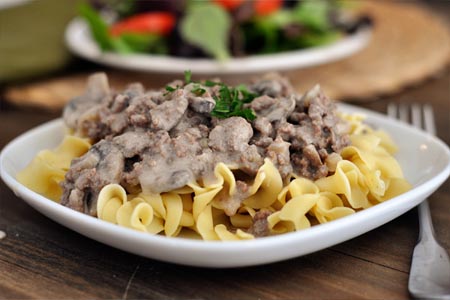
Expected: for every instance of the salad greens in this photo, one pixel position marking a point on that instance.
(219, 28)
(99, 28)
(207, 26)
(307, 25)
(125, 43)
(314, 15)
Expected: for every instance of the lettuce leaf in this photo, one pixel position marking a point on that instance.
(207, 26)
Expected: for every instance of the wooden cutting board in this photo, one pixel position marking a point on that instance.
(409, 44)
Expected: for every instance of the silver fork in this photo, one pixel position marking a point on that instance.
(429, 277)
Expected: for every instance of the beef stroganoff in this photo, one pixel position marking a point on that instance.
(205, 160)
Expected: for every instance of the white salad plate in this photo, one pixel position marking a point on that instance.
(424, 159)
(80, 42)
(6, 4)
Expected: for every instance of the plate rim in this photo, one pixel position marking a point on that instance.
(42, 204)
(288, 60)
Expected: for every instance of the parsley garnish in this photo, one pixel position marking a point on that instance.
(210, 83)
(198, 91)
(171, 88)
(187, 76)
(231, 101)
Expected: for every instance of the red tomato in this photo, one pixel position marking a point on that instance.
(229, 4)
(160, 23)
(266, 7)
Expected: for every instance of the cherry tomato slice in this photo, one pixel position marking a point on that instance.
(229, 4)
(160, 23)
(266, 7)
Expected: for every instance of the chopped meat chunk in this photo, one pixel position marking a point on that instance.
(308, 163)
(167, 114)
(278, 152)
(263, 126)
(231, 203)
(101, 165)
(97, 89)
(231, 134)
(200, 99)
(260, 226)
(273, 109)
(272, 85)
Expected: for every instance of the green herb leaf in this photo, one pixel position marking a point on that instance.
(248, 96)
(187, 76)
(313, 14)
(144, 43)
(225, 93)
(126, 42)
(280, 18)
(170, 88)
(198, 91)
(207, 25)
(98, 26)
(246, 113)
(230, 102)
(120, 46)
(315, 39)
(210, 83)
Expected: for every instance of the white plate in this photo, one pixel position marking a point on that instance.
(425, 161)
(80, 42)
(6, 4)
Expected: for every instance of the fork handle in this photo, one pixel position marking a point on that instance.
(426, 225)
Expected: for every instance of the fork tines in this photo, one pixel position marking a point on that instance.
(421, 116)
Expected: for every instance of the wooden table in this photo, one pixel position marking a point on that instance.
(40, 259)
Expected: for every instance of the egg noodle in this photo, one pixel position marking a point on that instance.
(365, 174)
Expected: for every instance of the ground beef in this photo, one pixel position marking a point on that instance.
(228, 204)
(230, 135)
(314, 131)
(102, 165)
(272, 85)
(263, 126)
(97, 90)
(278, 152)
(260, 226)
(160, 140)
(273, 109)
